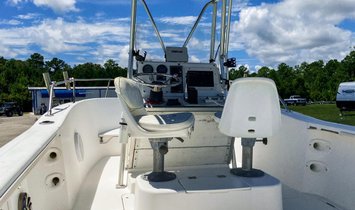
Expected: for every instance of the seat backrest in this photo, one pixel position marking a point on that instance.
(252, 109)
(131, 95)
(131, 103)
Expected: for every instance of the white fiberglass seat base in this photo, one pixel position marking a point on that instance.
(208, 189)
(99, 190)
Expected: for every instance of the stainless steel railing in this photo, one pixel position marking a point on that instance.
(283, 103)
(70, 85)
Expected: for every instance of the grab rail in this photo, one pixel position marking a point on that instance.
(52, 84)
(284, 104)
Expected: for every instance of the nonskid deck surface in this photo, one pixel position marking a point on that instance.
(295, 200)
(99, 188)
(99, 192)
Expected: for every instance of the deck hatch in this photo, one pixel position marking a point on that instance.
(213, 183)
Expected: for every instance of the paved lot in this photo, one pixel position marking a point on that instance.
(10, 127)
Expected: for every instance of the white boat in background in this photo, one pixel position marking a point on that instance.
(345, 99)
(190, 146)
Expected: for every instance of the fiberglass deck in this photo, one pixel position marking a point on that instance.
(99, 192)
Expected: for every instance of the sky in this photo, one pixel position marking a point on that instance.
(263, 33)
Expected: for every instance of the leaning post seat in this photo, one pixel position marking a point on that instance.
(159, 129)
(252, 110)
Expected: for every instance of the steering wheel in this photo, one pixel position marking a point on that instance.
(151, 80)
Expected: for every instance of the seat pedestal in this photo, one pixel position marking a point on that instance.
(247, 169)
(160, 148)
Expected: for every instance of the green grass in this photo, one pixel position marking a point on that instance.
(328, 112)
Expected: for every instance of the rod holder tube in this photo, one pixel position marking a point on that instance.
(74, 96)
(230, 5)
(66, 80)
(51, 96)
(121, 167)
(223, 27)
(196, 23)
(47, 81)
(108, 85)
(132, 38)
(222, 56)
(213, 32)
(154, 25)
(123, 139)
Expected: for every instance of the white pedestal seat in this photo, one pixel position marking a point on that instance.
(159, 129)
(252, 110)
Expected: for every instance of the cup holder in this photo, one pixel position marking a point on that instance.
(319, 145)
(54, 180)
(53, 155)
(317, 167)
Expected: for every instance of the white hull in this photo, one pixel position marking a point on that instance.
(313, 160)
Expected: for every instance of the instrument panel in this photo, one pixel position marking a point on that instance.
(200, 81)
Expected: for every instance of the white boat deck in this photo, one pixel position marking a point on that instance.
(99, 188)
(99, 192)
(295, 200)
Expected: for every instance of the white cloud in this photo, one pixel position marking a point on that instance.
(10, 22)
(61, 6)
(174, 35)
(197, 44)
(118, 53)
(169, 35)
(55, 36)
(15, 2)
(77, 33)
(194, 59)
(183, 20)
(12, 44)
(235, 42)
(245, 65)
(123, 55)
(58, 6)
(107, 2)
(146, 45)
(257, 68)
(239, 5)
(28, 16)
(294, 31)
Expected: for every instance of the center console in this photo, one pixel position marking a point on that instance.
(200, 83)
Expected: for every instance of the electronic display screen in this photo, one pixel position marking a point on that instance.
(199, 78)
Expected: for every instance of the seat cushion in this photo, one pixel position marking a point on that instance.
(166, 122)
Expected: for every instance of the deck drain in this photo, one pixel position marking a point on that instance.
(53, 155)
(55, 181)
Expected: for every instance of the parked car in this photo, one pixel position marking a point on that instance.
(10, 108)
(295, 100)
